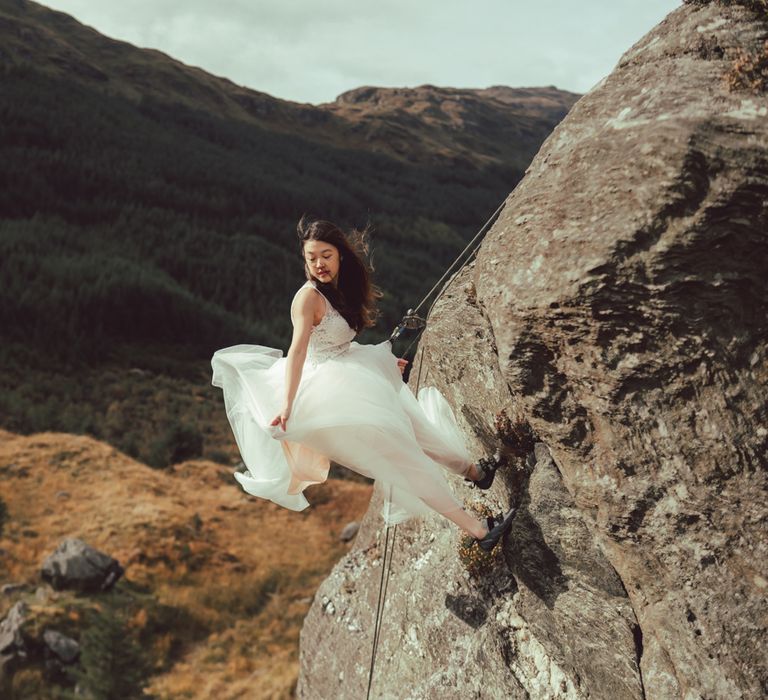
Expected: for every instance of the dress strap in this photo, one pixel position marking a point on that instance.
(310, 283)
(314, 286)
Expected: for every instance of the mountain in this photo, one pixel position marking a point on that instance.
(481, 127)
(194, 183)
(148, 211)
(498, 125)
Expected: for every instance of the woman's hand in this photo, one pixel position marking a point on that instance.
(401, 363)
(282, 417)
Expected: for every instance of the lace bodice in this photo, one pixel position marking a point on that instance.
(331, 336)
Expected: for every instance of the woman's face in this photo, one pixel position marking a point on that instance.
(322, 259)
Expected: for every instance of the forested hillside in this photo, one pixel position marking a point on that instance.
(130, 222)
(142, 228)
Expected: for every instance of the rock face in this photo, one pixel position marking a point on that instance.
(618, 303)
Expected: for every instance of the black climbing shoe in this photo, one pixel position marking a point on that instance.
(487, 467)
(497, 526)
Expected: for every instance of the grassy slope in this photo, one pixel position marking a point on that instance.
(217, 582)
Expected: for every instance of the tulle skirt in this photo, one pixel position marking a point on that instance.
(353, 409)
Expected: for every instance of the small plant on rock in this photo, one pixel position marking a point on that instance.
(515, 433)
(475, 560)
(749, 71)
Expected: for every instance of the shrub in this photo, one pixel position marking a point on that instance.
(475, 560)
(749, 70)
(178, 443)
(219, 456)
(112, 663)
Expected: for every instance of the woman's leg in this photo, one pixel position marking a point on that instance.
(470, 524)
(448, 451)
(397, 460)
(436, 448)
(472, 472)
(453, 457)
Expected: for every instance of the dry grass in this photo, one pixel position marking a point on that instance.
(516, 435)
(749, 70)
(477, 562)
(236, 573)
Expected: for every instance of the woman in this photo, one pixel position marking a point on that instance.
(333, 398)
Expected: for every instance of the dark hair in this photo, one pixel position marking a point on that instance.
(354, 295)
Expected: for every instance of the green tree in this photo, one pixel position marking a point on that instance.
(179, 442)
(112, 664)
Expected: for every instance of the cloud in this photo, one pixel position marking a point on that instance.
(311, 51)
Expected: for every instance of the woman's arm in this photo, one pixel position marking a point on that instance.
(305, 307)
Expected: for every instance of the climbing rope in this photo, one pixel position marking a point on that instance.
(386, 563)
(382, 597)
(412, 320)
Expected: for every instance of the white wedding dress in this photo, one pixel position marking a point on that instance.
(351, 407)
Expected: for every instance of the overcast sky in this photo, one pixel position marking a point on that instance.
(312, 51)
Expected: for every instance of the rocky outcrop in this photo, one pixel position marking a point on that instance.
(618, 303)
(75, 564)
(22, 644)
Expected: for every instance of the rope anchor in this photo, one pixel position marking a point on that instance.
(411, 321)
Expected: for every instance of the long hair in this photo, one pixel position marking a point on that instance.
(355, 295)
